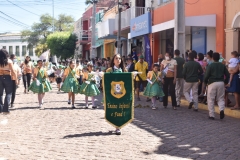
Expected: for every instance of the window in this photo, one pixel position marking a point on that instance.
(24, 50)
(17, 51)
(31, 50)
(160, 2)
(10, 50)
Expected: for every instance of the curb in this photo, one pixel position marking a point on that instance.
(227, 111)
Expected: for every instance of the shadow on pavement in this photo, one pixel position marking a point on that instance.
(89, 134)
(22, 108)
(187, 134)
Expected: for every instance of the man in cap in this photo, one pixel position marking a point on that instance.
(141, 79)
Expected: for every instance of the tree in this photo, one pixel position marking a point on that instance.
(37, 35)
(87, 2)
(41, 48)
(64, 23)
(62, 44)
(38, 32)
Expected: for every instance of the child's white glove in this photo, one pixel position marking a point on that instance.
(38, 82)
(149, 81)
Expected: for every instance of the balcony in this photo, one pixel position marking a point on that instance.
(84, 37)
(129, 14)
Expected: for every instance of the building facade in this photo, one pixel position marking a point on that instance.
(204, 27)
(12, 42)
(232, 29)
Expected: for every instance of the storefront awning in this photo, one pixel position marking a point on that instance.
(110, 36)
(198, 21)
(96, 46)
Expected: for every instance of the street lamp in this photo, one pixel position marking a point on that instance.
(119, 47)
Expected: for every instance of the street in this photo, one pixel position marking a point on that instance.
(59, 132)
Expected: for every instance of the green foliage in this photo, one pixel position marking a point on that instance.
(64, 23)
(62, 44)
(41, 48)
(87, 2)
(39, 31)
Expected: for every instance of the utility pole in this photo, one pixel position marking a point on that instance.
(119, 47)
(179, 28)
(93, 40)
(53, 14)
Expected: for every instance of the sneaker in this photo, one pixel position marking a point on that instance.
(196, 110)
(222, 115)
(118, 132)
(178, 105)
(190, 105)
(12, 105)
(86, 106)
(212, 118)
(154, 108)
(41, 107)
(69, 102)
(94, 107)
(58, 92)
(73, 107)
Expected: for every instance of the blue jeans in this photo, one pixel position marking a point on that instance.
(5, 84)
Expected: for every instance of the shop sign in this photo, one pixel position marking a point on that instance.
(141, 25)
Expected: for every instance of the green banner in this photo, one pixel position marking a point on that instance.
(118, 98)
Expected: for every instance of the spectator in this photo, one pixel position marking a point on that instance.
(235, 86)
(160, 59)
(200, 58)
(179, 80)
(141, 79)
(130, 66)
(209, 61)
(190, 72)
(232, 64)
(134, 55)
(6, 71)
(169, 68)
(214, 77)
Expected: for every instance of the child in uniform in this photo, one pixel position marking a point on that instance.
(154, 88)
(70, 82)
(40, 83)
(89, 87)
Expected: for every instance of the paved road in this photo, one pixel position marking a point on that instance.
(59, 132)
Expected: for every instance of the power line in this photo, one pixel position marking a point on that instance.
(15, 19)
(13, 22)
(23, 8)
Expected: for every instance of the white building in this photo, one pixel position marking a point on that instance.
(78, 32)
(12, 42)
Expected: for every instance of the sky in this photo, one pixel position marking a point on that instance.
(17, 15)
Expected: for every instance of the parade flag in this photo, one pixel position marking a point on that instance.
(148, 55)
(118, 98)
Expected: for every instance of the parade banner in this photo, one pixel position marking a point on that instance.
(148, 55)
(118, 98)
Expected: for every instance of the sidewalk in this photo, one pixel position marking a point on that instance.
(185, 103)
